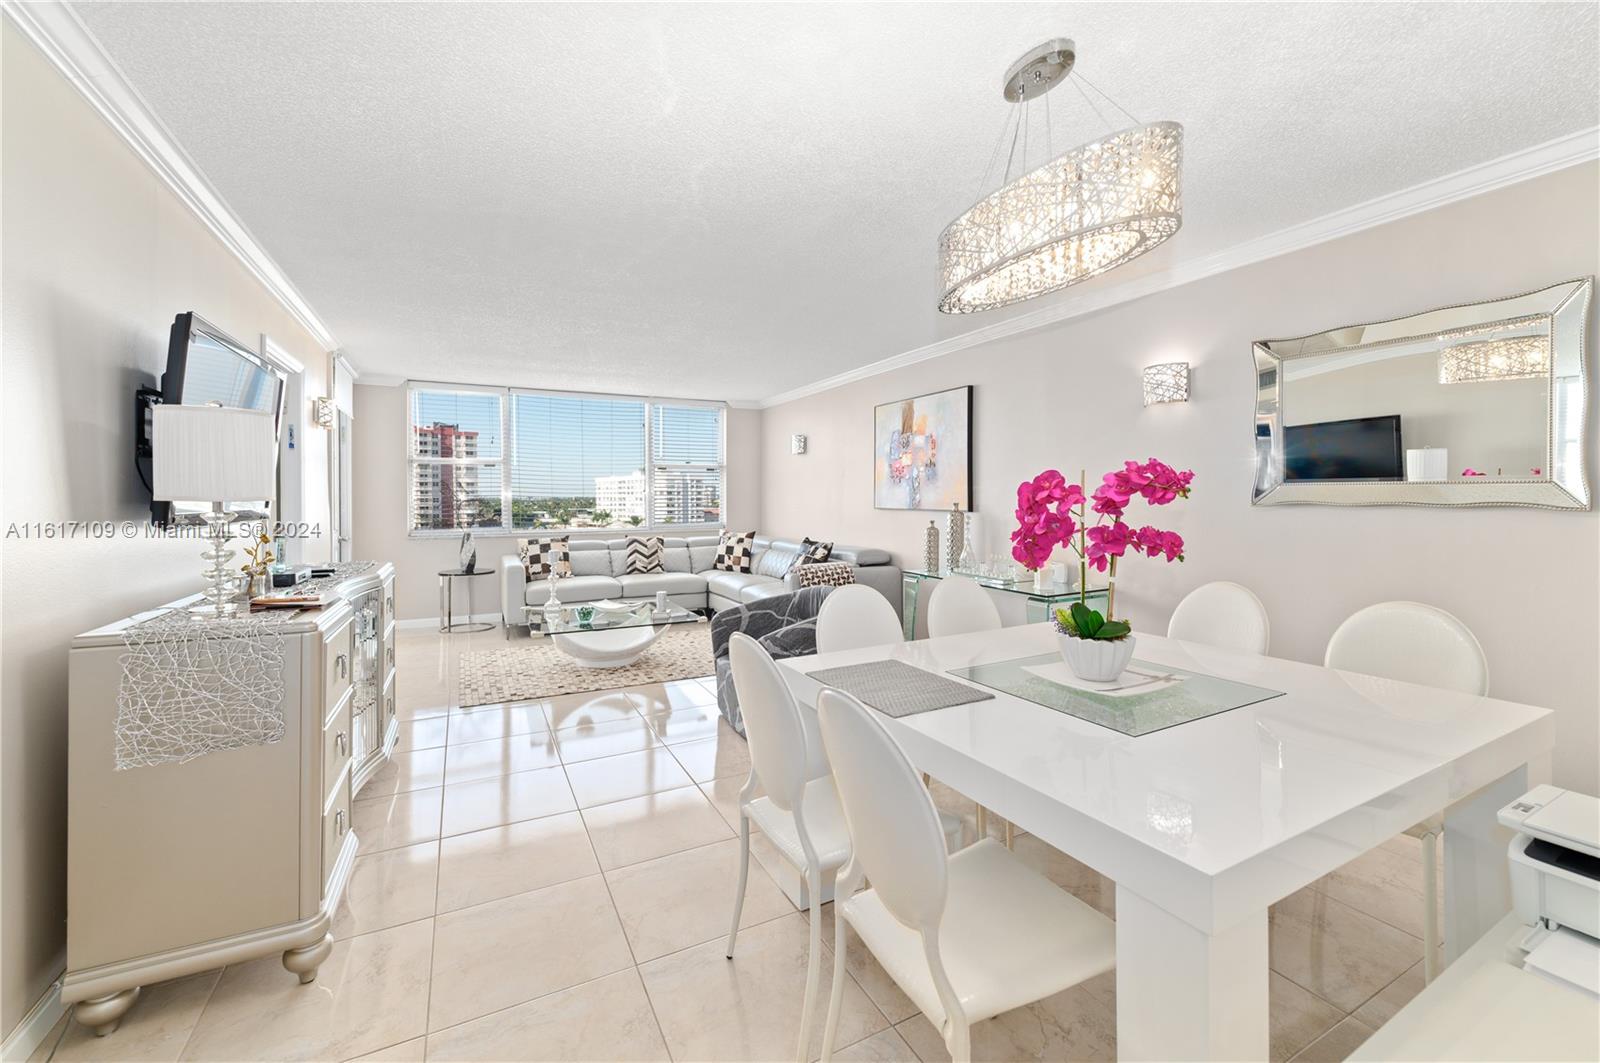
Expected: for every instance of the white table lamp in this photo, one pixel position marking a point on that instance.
(214, 454)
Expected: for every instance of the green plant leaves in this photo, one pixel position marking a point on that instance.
(1086, 623)
(1114, 629)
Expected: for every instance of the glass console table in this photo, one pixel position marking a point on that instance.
(1040, 601)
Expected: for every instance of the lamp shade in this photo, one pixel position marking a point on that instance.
(213, 454)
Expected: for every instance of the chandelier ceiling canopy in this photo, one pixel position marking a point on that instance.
(1077, 215)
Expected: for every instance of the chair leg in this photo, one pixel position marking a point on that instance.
(744, 875)
(983, 823)
(813, 971)
(1430, 908)
(836, 990)
(959, 1042)
(1011, 835)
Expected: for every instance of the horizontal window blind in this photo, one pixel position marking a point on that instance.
(686, 464)
(455, 459)
(497, 458)
(577, 462)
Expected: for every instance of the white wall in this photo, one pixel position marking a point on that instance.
(381, 518)
(99, 257)
(1527, 581)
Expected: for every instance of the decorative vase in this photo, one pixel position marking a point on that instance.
(955, 536)
(1096, 660)
(930, 549)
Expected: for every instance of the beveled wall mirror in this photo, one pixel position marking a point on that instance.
(1477, 405)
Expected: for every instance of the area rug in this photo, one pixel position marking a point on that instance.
(534, 668)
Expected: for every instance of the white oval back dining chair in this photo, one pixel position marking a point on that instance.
(960, 605)
(800, 813)
(854, 616)
(1222, 614)
(967, 936)
(1415, 643)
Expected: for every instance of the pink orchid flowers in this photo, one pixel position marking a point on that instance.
(1051, 512)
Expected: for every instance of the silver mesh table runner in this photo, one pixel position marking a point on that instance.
(898, 689)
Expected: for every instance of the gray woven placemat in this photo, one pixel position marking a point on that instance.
(897, 689)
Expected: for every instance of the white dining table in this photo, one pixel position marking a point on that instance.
(1205, 824)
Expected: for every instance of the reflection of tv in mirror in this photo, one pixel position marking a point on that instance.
(206, 365)
(1362, 448)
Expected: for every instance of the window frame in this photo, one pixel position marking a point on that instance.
(504, 529)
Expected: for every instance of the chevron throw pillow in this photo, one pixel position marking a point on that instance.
(646, 553)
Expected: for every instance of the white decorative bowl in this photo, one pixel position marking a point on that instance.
(1096, 660)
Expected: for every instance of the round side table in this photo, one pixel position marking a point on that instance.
(447, 579)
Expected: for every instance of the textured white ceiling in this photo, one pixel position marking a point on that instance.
(730, 201)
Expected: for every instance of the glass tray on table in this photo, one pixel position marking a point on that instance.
(1147, 697)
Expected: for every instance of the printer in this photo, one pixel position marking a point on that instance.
(1555, 882)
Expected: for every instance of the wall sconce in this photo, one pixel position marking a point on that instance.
(797, 444)
(322, 412)
(1167, 382)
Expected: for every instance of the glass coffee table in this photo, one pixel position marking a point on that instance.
(609, 634)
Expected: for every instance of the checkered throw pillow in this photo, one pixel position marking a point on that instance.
(733, 551)
(543, 557)
(645, 553)
(815, 552)
(825, 574)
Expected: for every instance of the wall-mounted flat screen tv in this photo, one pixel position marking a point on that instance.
(1362, 448)
(205, 365)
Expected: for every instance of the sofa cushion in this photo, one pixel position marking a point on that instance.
(540, 557)
(675, 556)
(734, 550)
(776, 561)
(730, 585)
(647, 584)
(590, 562)
(861, 555)
(644, 554)
(754, 592)
(574, 589)
(815, 552)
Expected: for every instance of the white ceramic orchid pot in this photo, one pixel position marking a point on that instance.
(1096, 660)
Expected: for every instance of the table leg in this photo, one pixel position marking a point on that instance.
(444, 603)
(1477, 889)
(1185, 994)
(910, 588)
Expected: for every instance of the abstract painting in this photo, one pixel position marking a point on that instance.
(923, 456)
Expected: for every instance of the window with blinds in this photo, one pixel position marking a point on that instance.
(577, 462)
(455, 459)
(686, 464)
(568, 461)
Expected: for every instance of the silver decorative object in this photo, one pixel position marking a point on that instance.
(930, 548)
(955, 536)
(194, 685)
(469, 552)
(1166, 382)
(1082, 213)
(1452, 344)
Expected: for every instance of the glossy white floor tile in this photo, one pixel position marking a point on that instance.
(553, 880)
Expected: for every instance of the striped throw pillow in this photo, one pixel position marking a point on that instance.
(646, 553)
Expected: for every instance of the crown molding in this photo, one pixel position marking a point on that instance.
(1571, 150)
(66, 42)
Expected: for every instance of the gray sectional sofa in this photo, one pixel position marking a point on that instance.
(599, 571)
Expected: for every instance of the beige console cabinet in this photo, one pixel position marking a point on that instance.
(174, 868)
